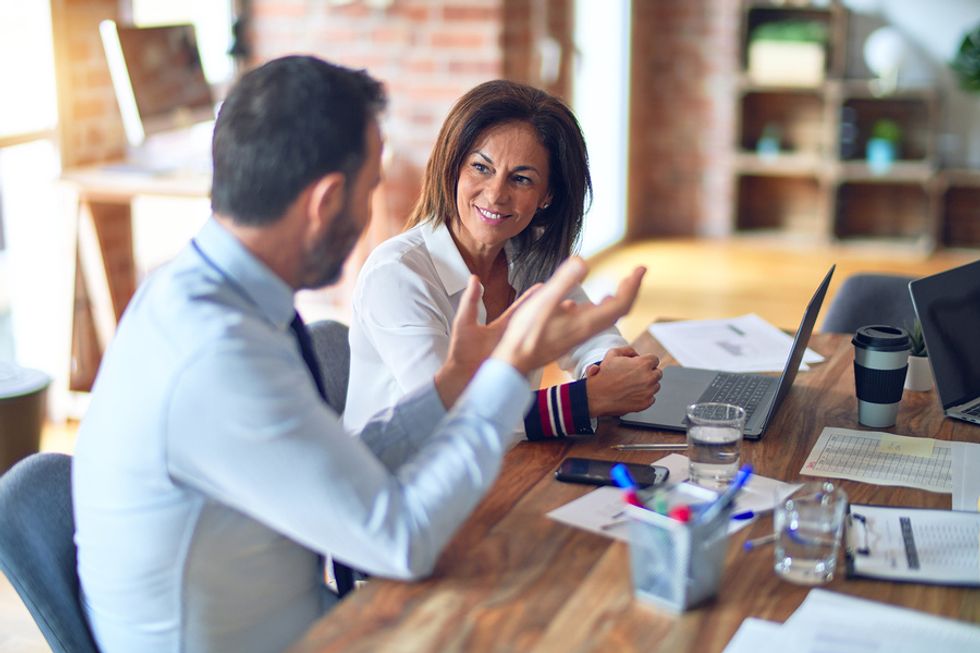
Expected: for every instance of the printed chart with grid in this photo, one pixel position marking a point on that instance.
(841, 453)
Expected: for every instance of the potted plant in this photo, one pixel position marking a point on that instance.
(919, 376)
(883, 145)
(966, 63)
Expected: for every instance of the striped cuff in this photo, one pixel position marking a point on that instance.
(559, 411)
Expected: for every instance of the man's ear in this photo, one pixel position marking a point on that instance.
(326, 201)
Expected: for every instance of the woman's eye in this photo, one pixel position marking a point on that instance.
(522, 180)
(479, 167)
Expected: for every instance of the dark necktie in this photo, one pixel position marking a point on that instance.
(341, 572)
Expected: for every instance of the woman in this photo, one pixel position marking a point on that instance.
(503, 198)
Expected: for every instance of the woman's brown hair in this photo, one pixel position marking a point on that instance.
(554, 232)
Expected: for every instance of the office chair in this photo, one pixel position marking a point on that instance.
(333, 353)
(37, 548)
(870, 299)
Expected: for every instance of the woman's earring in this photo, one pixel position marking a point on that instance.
(545, 205)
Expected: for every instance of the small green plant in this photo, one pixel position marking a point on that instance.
(887, 130)
(918, 341)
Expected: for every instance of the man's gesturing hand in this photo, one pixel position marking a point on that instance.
(547, 325)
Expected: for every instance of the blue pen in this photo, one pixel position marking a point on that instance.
(750, 514)
(728, 496)
(623, 479)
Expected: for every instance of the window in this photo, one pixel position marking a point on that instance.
(28, 156)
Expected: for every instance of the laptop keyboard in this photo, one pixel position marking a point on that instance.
(973, 411)
(745, 390)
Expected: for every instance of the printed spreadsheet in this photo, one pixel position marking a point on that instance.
(882, 459)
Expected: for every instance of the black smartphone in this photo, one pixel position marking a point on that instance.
(598, 472)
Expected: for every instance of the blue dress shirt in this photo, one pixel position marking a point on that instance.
(209, 476)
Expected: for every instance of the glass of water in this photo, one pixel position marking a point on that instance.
(714, 442)
(808, 529)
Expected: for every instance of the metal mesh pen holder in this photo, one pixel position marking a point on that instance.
(677, 565)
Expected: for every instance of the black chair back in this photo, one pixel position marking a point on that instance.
(870, 299)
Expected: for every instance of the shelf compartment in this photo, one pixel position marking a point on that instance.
(759, 13)
(912, 114)
(961, 208)
(791, 205)
(799, 116)
(899, 211)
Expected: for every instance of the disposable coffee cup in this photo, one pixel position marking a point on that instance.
(881, 359)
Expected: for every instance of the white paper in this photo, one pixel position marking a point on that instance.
(828, 621)
(966, 476)
(860, 456)
(601, 511)
(758, 636)
(739, 344)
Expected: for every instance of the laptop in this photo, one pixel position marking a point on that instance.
(948, 307)
(759, 394)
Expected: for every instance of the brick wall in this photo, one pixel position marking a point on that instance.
(682, 117)
(427, 53)
(524, 22)
(90, 127)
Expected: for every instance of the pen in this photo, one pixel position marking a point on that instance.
(736, 329)
(750, 514)
(658, 446)
(622, 477)
(728, 496)
(759, 541)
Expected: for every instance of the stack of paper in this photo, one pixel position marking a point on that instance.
(739, 344)
(828, 621)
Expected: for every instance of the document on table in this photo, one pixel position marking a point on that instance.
(601, 511)
(914, 544)
(828, 621)
(966, 476)
(739, 344)
(883, 459)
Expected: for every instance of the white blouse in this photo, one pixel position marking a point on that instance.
(405, 300)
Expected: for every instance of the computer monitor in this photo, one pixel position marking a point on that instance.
(158, 78)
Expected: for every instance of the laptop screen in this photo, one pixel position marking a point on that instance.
(948, 306)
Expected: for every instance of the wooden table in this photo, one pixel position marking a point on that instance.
(514, 580)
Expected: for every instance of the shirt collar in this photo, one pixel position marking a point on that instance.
(449, 263)
(241, 270)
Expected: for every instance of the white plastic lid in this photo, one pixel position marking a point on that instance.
(16, 381)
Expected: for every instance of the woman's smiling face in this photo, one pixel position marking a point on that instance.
(502, 184)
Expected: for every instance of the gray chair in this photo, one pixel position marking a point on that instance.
(333, 353)
(37, 548)
(870, 299)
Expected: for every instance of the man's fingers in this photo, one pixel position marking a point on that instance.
(469, 302)
(504, 317)
(615, 306)
(567, 276)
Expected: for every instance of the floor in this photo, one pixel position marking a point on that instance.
(685, 279)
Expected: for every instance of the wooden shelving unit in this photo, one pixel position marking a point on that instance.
(819, 183)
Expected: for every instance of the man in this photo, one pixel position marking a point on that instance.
(210, 477)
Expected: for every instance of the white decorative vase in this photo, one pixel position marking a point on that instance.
(919, 376)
